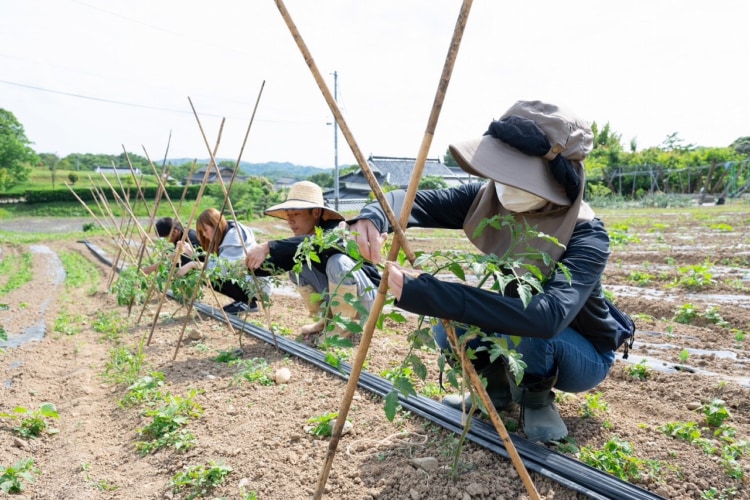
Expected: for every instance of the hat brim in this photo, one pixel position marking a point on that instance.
(493, 159)
(280, 210)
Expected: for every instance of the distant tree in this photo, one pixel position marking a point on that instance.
(323, 179)
(432, 182)
(73, 178)
(742, 145)
(448, 159)
(16, 155)
(48, 160)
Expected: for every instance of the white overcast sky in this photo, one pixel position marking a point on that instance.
(94, 76)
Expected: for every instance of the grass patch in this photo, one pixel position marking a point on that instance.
(80, 272)
(18, 270)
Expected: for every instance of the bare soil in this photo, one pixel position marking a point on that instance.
(261, 431)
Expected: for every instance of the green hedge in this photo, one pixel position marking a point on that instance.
(149, 192)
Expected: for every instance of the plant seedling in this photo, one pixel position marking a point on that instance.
(638, 371)
(33, 422)
(12, 478)
(199, 479)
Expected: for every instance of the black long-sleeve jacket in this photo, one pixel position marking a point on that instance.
(282, 254)
(578, 303)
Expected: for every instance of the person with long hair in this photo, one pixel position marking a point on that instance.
(225, 243)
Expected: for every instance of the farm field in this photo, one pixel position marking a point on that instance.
(677, 411)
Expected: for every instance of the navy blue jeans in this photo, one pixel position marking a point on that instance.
(580, 366)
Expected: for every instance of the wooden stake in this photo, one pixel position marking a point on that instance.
(399, 241)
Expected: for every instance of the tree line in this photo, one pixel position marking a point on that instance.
(611, 168)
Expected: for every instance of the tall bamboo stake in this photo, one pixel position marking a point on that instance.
(171, 271)
(400, 239)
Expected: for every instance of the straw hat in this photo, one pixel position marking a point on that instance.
(304, 195)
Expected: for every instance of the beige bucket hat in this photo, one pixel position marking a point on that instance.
(493, 159)
(304, 195)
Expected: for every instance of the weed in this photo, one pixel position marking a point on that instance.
(110, 324)
(739, 335)
(640, 278)
(199, 479)
(144, 390)
(13, 477)
(124, 365)
(714, 494)
(323, 425)
(431, 390)
(722, 227)
(712, 314)
(684, 355)
(616, 458)
(716, 412)
(248, 495)
(17, 269)
(3, 337)
(33, 422)
(685, 314)
(593, 405)
(228, 356)
(102, 484)
(68, 324)
(80, 272)
(638, 371)
(253, 370)
(695, 277)
(619, 236)
(166, 426)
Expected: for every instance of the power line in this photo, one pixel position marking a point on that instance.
(99, 99)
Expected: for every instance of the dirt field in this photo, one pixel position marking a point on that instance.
(684, 276)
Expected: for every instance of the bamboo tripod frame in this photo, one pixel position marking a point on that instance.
(399, 242)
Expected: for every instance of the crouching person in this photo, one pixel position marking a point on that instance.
(225, 243)
(532, 159)
(325, 284)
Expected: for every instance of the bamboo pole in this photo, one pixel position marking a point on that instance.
(171, 271)
(227, 202)
(399, 241)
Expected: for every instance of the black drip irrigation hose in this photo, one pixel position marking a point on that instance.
(557, 467)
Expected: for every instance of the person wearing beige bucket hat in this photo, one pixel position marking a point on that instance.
(335, 279)
(532, 160)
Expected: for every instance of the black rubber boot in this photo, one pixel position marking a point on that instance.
(539, 416)
(498, 389)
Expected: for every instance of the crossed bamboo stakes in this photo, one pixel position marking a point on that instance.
(400, 242)
(125, 252)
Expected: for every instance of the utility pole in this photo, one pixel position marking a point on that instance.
(335, 146)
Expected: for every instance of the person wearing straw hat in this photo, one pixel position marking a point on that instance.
(532, 159)
(225, 243)
(335, 273)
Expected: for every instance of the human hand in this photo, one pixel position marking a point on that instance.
(185, 247)
(396, 275)
(369, 240)
(257, 255)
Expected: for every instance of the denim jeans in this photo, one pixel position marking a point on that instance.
(338, 270)
(580, 366)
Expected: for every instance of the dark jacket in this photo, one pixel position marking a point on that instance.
(282, 254)
(579, 303)
(192, 237)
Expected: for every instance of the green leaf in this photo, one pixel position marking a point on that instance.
(391, 405)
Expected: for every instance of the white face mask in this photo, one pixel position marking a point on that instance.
(518, 200)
